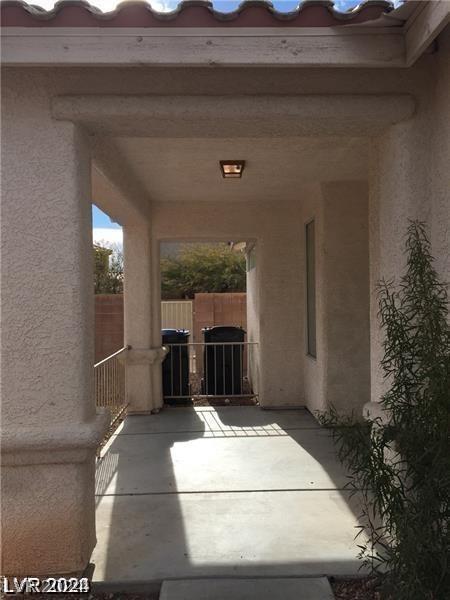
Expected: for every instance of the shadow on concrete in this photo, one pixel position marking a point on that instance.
(217, 492)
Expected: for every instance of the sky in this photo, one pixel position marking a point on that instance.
(104, 230)
(222, 5)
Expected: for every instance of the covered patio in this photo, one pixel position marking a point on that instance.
(229, 491)
(342, 122)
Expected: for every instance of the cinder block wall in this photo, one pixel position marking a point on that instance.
(209, 310)
(218, 309)
(108, 324)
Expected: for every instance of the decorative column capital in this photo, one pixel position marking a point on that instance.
(143, 356)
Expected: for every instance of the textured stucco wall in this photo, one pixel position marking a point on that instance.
(278, 287)
(440, 158)
(224, 81)
(339, 374)
(276, 293)
(138, 307)
(46, 260)
(253, 333)
(314, 371)
(410, 178)
(49, 427)
(346, 294)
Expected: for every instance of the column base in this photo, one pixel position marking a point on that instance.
(48, 518)
(373, 411)
(48, 498)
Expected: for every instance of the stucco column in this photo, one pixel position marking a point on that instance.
(279, 327)
(409, 179)
(143, 360)
(390, 206)
(49, 425)
(344, 359)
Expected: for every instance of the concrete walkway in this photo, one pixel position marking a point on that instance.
(247, 589)
(225, 492)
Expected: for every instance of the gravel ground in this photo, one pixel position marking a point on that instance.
(355, 589)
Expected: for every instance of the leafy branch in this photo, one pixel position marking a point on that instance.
(399, 464)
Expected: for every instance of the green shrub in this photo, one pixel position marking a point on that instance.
(202, 268)
(108, 269)
(400, 465)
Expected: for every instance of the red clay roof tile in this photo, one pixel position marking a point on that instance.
(190, 13)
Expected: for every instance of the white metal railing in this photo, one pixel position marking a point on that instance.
(109, 378)
(208, 369)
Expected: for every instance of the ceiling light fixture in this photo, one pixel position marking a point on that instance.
(232, 169)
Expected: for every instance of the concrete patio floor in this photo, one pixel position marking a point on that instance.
(222, 492)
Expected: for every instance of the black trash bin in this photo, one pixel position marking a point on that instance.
(223, 361)
(175, 366)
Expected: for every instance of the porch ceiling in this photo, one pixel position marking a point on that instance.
(188, 169)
